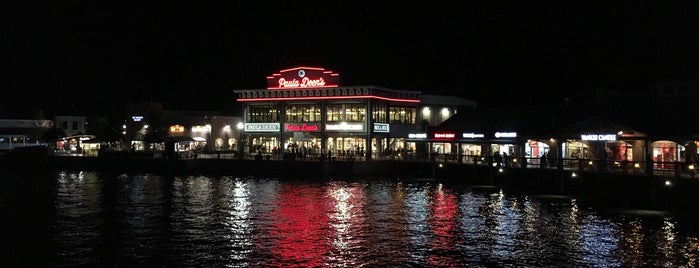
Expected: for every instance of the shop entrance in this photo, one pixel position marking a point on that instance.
(347, 146)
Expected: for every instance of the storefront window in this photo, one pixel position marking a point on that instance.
(535, 149)
(402, 115)
(576, 149)
(471, 149)
(263, 114)
(378, 114)
(619, 151)
(667, 151)
(350, 112)
(303, 113)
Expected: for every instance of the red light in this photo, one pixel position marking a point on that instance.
(331, 98)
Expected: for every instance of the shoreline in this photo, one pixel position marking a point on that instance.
(632, 191)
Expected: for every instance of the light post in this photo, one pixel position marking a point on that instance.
(241, 141)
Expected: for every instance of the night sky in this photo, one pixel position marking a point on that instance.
(85, 56)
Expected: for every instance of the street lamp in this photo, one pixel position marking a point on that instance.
(241, 145)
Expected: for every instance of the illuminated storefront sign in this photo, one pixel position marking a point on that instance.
(381, 128)
(505, 135)
(303, 77)
(345, 127)
(262, 127)
(417, 135)
(137, 118)
(472, 135)
(598, 137)
(444, 135)
(301, 127)
(176, 129)
(201, 129)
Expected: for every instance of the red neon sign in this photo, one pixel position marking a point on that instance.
(303, 77)
(331, 98)
(301, 127)
(444, 135)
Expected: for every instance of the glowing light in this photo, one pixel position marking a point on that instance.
(445, 112)
(637, 165)
(441, 165)
(668, 183)
(573, 175)
(501, 170)
(331, 98)
(691, 167)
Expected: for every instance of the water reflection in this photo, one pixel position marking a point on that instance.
(99, 219)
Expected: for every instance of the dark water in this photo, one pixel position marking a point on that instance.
(102, 219)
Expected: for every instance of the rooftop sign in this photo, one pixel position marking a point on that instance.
(303, 77)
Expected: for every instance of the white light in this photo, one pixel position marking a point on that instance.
(500, 170)
(445, 112)
(668, 183)
(573, 175)
(123, 126)
(145, 126)
(440, 165)
(426, 111)
(240, 125)
(227, 128)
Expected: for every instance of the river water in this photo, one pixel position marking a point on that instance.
(107, 219)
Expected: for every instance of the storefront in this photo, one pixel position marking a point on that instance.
(304, 111)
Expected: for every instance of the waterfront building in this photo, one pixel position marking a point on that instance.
(71, 125)
(22, 132)
(148, 127)
(306, 110)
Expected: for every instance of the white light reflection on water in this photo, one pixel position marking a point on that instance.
(347, 219)
(598, 238)
(416, 201)
(238, 222)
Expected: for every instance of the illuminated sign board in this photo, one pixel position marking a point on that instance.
(301, 127)
(444, 135)
(505, 135)
(417, 135)
(345, 127)
(381, 128)
(137, 118)
(177, 129)
(201, 129)
(598, 137)
(303, 77)
(472, 135)
(262, 127)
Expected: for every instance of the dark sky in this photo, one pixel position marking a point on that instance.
(192, 55)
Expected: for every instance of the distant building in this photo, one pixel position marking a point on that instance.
(150, 128)
(71, 125)
(22, 132)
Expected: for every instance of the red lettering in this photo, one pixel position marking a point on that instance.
(302, 127)
(305, 82)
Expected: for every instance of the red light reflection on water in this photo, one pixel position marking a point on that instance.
(443, 224)
(300, 227)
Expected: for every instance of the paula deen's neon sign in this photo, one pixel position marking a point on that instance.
(303, 77)
(305, 82)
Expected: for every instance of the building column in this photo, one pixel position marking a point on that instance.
(370, 130)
